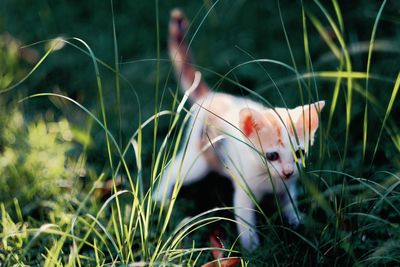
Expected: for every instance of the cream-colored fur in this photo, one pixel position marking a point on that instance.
(257, 147)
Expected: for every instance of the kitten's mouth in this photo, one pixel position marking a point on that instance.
(276, 175)
(287, 175)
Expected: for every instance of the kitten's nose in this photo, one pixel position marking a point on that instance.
(287, 174)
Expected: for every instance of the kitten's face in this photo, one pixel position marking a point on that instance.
(281, 136)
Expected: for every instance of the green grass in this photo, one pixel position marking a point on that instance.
(111, 87)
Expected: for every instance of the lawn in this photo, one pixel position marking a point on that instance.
(90, 118)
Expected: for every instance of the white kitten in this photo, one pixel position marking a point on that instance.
(259, 148)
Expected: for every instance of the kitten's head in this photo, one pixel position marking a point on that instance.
(281, 136)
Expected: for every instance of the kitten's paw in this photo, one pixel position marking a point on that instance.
(295, 220)
(249, 240)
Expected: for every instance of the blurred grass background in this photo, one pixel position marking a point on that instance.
(233, 32)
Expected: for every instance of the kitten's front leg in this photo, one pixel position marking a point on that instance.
(186, 168)
(289, 205)
(246, 220)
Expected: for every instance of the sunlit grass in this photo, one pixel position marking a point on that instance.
(346, 208)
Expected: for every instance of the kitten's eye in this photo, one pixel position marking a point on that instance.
(272, 156)
(300, 153)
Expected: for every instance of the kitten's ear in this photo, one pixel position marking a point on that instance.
(250, 121)
(307, 121)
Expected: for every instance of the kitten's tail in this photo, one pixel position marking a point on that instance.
(181, 57)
